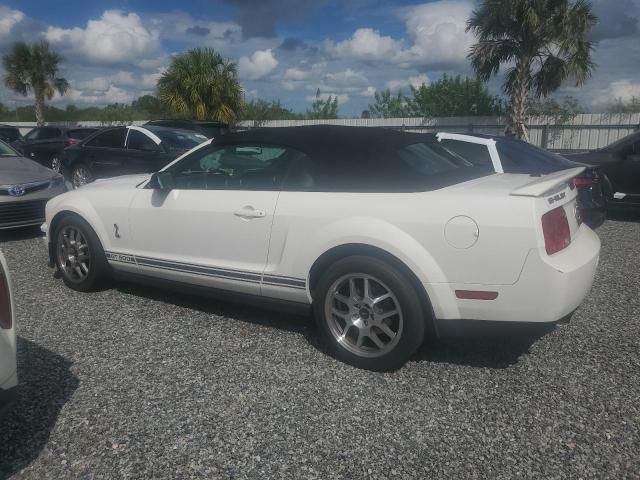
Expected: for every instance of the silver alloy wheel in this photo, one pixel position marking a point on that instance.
(80, 176)
(73, 254)
(55, 163)
(363, 315)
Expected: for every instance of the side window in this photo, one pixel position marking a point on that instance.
(139, 141)
(80, 133)
(234, 167)
(109, 139)
(472, 152)
(33, 134)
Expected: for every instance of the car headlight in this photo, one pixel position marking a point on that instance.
(56, 182)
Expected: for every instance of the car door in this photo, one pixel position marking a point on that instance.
(145, 153)
(48, 142)
(105, 153)
(213, 226)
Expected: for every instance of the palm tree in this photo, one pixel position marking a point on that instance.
(202, 85)
(34, 68)
(543, 43)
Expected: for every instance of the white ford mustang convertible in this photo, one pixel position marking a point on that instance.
(387, 236)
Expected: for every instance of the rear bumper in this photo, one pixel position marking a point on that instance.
(548, 290)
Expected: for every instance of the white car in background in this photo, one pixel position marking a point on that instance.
(385, 234)
(8, 372)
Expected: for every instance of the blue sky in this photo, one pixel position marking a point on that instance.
(115, 50)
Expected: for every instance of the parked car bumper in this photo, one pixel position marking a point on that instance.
(548, 289)
(17, 212)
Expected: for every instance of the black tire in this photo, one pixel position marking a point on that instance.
(74, 177)
(98, 270)
(54, 163)
(409, 324)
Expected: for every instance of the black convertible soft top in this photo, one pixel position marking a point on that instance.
(328, 140)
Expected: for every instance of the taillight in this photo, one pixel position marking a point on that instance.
(556, 230)
(584, 182)
(71, 141)
(5, 302)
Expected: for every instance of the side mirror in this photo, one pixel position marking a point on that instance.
(161, 181)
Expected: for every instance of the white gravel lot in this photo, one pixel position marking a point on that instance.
(132, 382)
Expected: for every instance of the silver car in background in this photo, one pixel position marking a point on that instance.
(25, 187)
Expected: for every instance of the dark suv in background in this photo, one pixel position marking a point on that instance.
(206, 128)
(45, 144)
(9, 133)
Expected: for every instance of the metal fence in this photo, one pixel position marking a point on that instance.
(583, 132)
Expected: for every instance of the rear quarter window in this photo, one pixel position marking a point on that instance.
(412, 167)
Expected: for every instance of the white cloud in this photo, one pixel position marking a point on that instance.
(346, 78)
(9, 18)
(624, 90)
(438, 31)
(342, 97)
(116, 37)
(85, 97)
(414, 81)
(368, 92)
(296, 74)
(259, 65)
(366, 44)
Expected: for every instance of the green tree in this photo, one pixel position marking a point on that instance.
(543, 43)
(388, 105)
(202, 85)
(620, 106)
(323, 108)
(33, 68)
(148, 104)
(262, 110)
(453, 97)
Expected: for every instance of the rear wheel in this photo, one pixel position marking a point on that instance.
(80, 175)
(369, 313)
(79, 255)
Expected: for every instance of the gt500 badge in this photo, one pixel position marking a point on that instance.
(116, 257)
(556, 198)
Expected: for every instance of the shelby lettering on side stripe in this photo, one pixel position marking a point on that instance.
(239, 275)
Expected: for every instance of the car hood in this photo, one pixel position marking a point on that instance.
(15, 170)
(124, 181)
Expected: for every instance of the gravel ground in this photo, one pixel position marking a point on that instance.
(132, 382)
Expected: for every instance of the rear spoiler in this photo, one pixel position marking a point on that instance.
(547, 184)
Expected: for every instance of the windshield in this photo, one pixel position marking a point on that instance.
(7, 151)
(180, 139)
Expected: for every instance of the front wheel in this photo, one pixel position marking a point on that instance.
(369, 313)
(80, 175)
(54, 162)
(79, 255)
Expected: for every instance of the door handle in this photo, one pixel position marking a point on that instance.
(249, 212)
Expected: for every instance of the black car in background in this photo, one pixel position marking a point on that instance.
(45, 144)
(125, 150)
(206, 128)
(516, 156)
(9, 133)
(620, 161)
